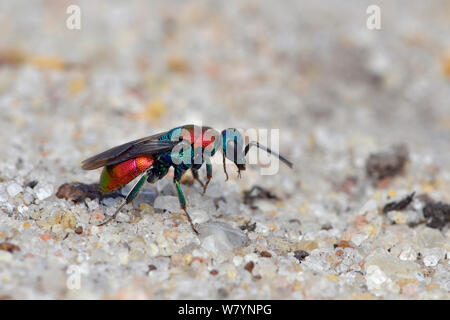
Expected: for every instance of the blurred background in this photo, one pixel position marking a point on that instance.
(336, 90)
(314, 70)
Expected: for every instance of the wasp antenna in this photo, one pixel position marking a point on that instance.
(269, 151)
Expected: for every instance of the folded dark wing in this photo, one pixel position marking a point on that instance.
(144, 146)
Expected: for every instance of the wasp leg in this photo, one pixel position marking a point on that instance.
(130, 197)
(181, 198)
(196, 178)
(208, 174)
(225, 167)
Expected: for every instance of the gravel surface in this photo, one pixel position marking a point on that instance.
(363, 114)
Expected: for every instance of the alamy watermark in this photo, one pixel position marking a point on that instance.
(237, 146)
(73, 21)
(74, 273)
(373, 21)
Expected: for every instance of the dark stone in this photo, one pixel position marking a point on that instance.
(32, 184)
(300, 255)
(249, 266)
(265, 254)
(437, 214)
(398, 205)
(387, 163)
(249, 227)
(9, 247)
(77, 192)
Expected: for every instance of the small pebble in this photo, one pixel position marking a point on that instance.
(123, 258)
(57, 228)
(224, 233)
(265, 254)
(432, 256)
(3, 195)
(169, 203)
(5, 256)
(237, 260)
(430, 261)
(45, 237)
(199, 216)
(344, 244)
(249, 266)
(375, 277)
(358, 239)
(14, 189)
(153, 249)
(408, 254)
(95, 229)
(251, 257)
(22, 208)
(43, 191)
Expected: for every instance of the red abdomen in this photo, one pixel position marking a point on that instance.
(116, 176)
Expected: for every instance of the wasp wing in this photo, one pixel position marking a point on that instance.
(144, 146)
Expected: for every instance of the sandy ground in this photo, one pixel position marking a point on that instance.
(337, 91)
